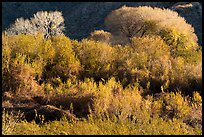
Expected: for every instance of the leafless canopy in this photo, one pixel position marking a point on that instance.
(49, 23)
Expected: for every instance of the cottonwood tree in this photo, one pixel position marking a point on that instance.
(49, 23)
(129, 22)
(21, 26)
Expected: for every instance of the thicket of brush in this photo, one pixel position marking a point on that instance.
(149, 85)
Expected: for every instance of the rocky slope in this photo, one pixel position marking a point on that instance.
(81, 18)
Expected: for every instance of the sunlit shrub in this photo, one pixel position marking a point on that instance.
(197, 99)
(93, 126)
(112, 100)
(157, 106)
(112, 86)
(101, 35)
(6, 53)
(96, 58)
(146, 59)
(180, 46)
(19, 77)
(46, 51)
(176, 105)
(65, 64)
(10, 121)
(26, 45)
(139, 21)
(184, 76)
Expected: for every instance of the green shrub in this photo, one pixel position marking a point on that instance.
(146, 59)
(65, 64)
(197, 98)
(10, 121)
(19, 78)
(6, 53)
(96, 58)
(26, 45)
(176, 106)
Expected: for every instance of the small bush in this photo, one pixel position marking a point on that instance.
(184, 76)
(101, 35)
(19, 77)
(176, 106)
(65, 64)
(96, 58)
(197, 99)
(10, 121)
(147, 59)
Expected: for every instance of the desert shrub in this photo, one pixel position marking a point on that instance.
(176, 105)
(10, 121)
(96, 58)
(159, 40)
(101, 99)
(104, 85)
(191, 56)
(184, 76)
(26, 45)
(19, 78)
(22, 67)
(181, 45)
(149, 60)
(146, 60)
(197, 99)
(46, 51)
(132, 22)
(178, 40)
(26, 128)
(157, 52)
(111, 100)
(49, 23)
(77, 97)
(157, 107)
(100, 35)
(93, 126)
(65, 64)
(6, 53)
(116, 111)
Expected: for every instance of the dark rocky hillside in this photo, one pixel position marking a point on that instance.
(81, 18)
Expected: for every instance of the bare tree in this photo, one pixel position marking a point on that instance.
(49, 23)
(21, 26)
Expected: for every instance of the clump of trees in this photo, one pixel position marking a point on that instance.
(129, 22)
(115, 75)
(49, 23)
(159, 47)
